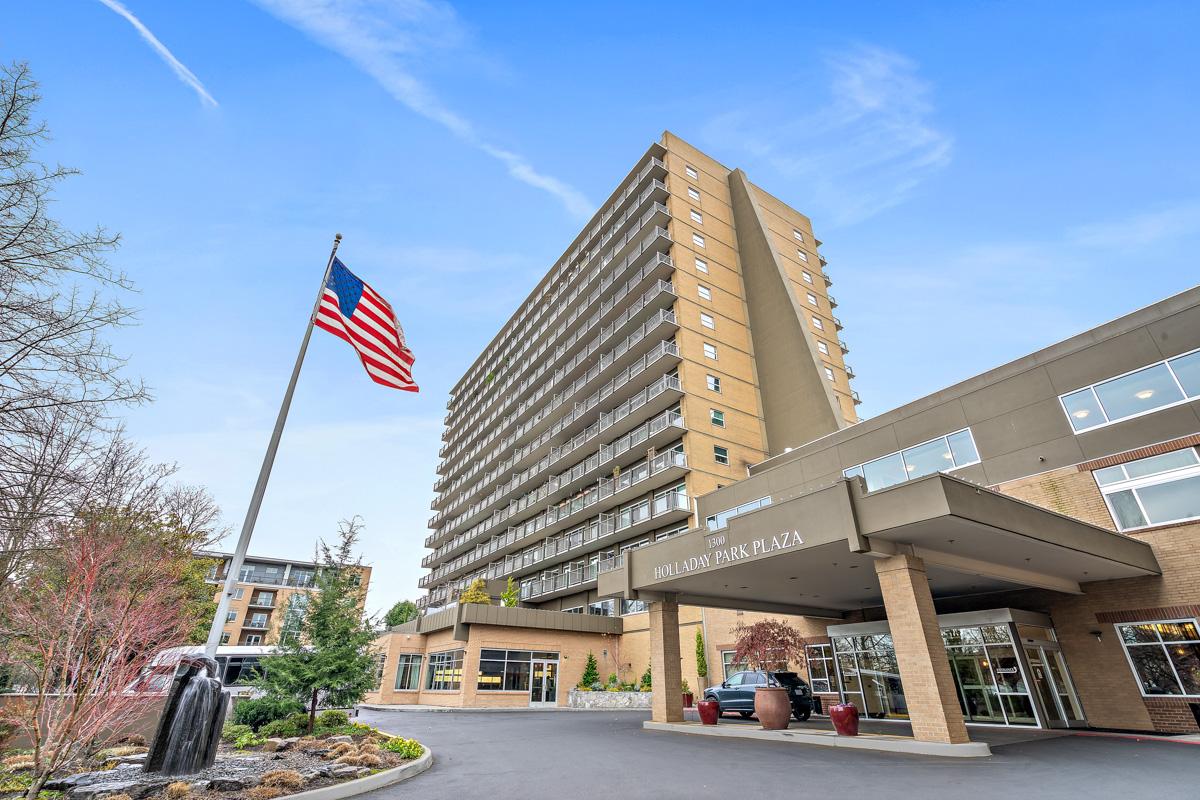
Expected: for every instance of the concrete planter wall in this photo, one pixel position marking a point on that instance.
(604, 700)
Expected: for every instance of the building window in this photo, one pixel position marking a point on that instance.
(632, 607)
(252, 640)
(710, 351)
(707, 321)
(820, 667)
(716, 417)
(829, 373)
(693, 193)
(408, 672)
(729, 665)
(812, 298)
(704, 292)
(701, 265)
(696, 216)
(800, 254)
(823, 348)
(573, 610)
(720, 520)
(798, 235)
(225, 638)
(504, 670)
(445, 671)
(239, 593)
(806, 275)
(691, 171)
(697, 240)
(942, 454)
(230, 616)
(721, 454)
(1165, 656)
(818, 324)
(714, 383)
(1157, 490)
(1167, 383)
(604, 608)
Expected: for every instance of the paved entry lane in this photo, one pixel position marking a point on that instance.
(607, 756)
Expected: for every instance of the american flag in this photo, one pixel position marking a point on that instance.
(354, 311)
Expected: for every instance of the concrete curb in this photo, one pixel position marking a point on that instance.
(370, 783)
(888, 744)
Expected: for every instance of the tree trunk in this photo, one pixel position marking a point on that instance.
(35, 788)
(312, 713)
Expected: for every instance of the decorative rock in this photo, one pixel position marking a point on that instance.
(135, 789)
(228, 784)
(344, 772)
(336, 739)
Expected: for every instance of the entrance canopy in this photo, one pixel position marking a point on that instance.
(813, 554)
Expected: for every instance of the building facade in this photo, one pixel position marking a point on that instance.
(686, 333)
(1018, 549)
(270, 596)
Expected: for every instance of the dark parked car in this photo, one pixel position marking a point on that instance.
(737, 693)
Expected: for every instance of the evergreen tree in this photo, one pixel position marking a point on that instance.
(401, 613)
(591, 671)
(511, 594)
(331, 659)
(701, 658)
(476, 593)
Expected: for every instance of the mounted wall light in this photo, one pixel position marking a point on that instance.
(1098, 634)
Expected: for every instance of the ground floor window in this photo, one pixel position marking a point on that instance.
(869, 675)
(504, 670)
(1165, 656)
(408, 672)
(445, 671)
(632, 606)
(730, 666)
(820, 667)
(987, 673)
(605, 608)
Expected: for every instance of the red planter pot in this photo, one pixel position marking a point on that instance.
(845, 719)
(709, 711)
(687, 699)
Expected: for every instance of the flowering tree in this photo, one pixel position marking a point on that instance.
(768, 644)
(80, 629)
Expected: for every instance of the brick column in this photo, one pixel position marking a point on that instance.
(666, 702)
(924, 669)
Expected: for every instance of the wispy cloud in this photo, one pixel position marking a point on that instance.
(383, 38)
(1140, 230)
(864, 149)
(183, 73)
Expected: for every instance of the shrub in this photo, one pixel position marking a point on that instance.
(591, 671)
(684, 685)
(612, 679)
(283, 779)
(178, 790)
(369, 760)
(369, 748)
(645, 684)
(232, 731)
(248, 739)
(257, 713)
(280, 729)
(264, 793)
(350, 759)
(333, 719)
(341, 749)
(405, 748)
(18, 763)
(300, 719)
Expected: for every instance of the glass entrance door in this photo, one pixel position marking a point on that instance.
(543, 683)
(1053, 686)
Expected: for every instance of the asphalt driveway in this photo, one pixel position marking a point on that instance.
(606, 755)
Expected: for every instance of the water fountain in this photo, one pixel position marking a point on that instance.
(190, 726)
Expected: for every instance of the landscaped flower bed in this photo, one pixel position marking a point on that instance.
(249, 765)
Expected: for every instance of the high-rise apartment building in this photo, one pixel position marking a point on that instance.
(687, 333)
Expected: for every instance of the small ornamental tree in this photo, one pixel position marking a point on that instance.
(331, 658)
(477, 593)
(645, 687)
(768, 644)
(701, 658)
(511, 594)
(401, 613)
(92, 613)
(591, 671)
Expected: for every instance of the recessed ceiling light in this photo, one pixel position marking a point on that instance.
(1145, 394)
(1081, 413)
(948, 456)
(910, 467)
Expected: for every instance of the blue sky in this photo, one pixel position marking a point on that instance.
(987, 178)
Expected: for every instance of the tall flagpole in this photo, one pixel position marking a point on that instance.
(264, 474)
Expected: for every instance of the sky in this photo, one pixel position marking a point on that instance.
(987, 178)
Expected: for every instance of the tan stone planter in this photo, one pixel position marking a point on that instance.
(773, 707)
